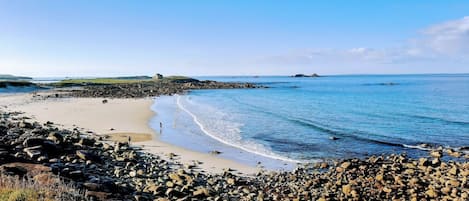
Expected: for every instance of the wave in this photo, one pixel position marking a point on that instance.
(323, 129)
(317, 127)
(446, 121)
(233, 144)
(419, 146)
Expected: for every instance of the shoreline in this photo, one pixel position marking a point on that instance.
(124, 117)
(103, 171)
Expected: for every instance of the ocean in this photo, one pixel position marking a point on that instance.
(298, 120)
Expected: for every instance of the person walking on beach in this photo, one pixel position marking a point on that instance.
(161, 127)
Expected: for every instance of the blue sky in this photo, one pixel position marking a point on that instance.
(106, 38)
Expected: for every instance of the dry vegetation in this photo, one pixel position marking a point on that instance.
(13, 188)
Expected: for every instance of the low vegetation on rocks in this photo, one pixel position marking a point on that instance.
(141, 89)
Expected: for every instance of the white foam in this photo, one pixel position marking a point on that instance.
(417, 147)
(234, 141)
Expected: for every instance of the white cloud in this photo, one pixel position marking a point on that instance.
(448, 38)
(444, 41)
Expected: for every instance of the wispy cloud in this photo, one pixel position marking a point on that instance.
(444, 41)
(449, 38)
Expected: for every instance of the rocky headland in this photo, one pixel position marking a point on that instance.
(119, 171)
(150, 88)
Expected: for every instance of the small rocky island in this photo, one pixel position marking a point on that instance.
(305, 75)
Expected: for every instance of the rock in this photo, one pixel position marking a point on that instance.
(379, 177)
(133, 173)
(423, 162)
(175, 177)
(24, 124)
(231, 181)
(452, 183)
(346, 189)
(454, 170)
(446, 190)
(201, 193)
(106, 146)
(453, 153)
(86, 142)
(431, 193)
(55, 137)
(387, 190)
(333, 138)
(303, 75)
(87, 155)
(324, 165)
(171, 192)
(345, 165)
(169, 184)
(436, 154)
(33, 152)
(436, 162)
(77, 174)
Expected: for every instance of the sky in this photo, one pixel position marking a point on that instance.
(239, 37)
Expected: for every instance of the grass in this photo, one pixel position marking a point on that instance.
(13, 188)
(177, 77)
(98, 81)
(117, 80)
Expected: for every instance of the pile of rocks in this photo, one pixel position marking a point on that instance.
(153, 88)
(117, 171)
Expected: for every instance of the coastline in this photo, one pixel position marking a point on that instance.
(121, 117)
(120, 171)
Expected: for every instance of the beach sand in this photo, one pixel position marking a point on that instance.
(118, 119)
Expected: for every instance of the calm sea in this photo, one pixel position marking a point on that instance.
(295, 118)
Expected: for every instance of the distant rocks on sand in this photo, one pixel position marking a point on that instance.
(304, 75)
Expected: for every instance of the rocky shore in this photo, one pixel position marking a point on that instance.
(152, 88)
(117, 171)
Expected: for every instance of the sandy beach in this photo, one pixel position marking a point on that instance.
(118, 118)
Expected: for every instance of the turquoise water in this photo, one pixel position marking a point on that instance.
(295, 118)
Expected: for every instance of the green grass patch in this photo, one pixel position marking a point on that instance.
(97, 81)
(18, 195)
(116, 80)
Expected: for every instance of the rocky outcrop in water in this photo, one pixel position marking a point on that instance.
(117, 171)
(304, 75)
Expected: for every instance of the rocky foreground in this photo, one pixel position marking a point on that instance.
(117, 171)
(153, 88)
